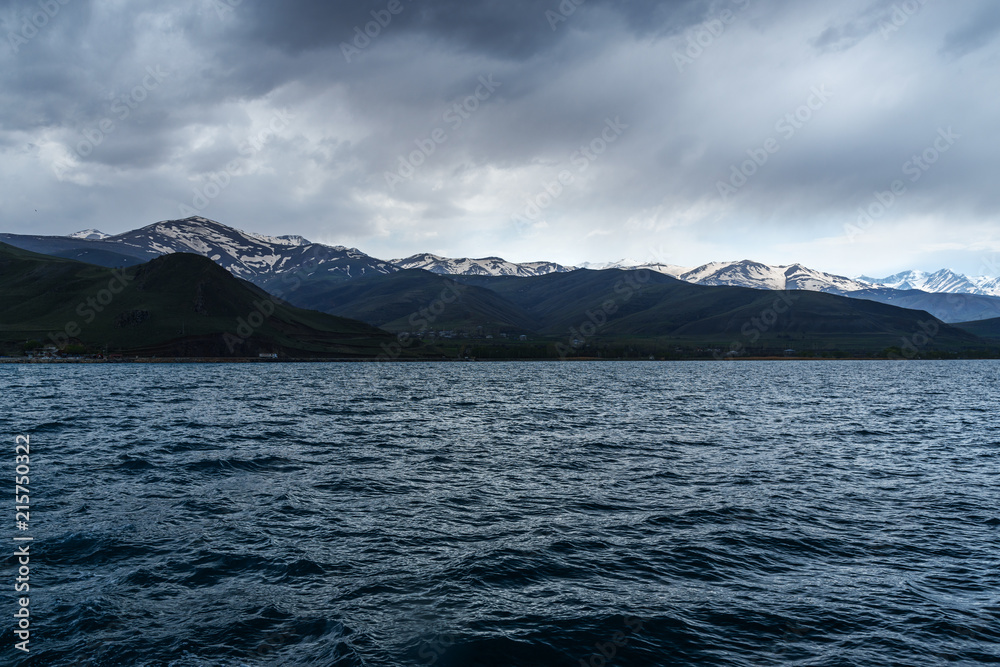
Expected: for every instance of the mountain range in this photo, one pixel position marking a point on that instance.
(183, 304)
(489, 266)
(302, 270)
(198, 283)
(746, 273)
(174, 305)
(943, 281)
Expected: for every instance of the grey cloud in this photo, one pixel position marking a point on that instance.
(324, 175)
(508, 29)
(845, 34)
(981, 29)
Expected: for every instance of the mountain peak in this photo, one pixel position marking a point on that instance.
(249, 255)
(485, 266)
(943, 280)
(752, 274)
(90, 235)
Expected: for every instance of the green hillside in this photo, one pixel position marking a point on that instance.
(185, 305)
(989, 329)
(613, 310)
(631, 305)
(181, 305)
(416, 300)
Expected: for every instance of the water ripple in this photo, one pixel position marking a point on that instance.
(832, 513)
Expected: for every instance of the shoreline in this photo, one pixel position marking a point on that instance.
(340, 360)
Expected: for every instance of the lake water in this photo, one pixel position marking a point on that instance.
(790, 513)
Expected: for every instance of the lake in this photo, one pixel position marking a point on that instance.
(604, 514)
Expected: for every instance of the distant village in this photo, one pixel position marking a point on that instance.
(452, 334)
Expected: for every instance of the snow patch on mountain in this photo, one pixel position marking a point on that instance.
(288, 240)
(90, 235)
(943, 281)
(620, 264)
(988, 285)
(755, 275)
(261, 258)
(487, 266)
(251, 256)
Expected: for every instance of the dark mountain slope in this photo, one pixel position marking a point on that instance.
(989, 329)
(946, 306)
(647, 304)
(416, 300)
(178, 304)
(100, 253)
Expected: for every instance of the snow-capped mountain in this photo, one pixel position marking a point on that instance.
(745, 273)
(488, 266)
(276, 263)
(943, 281)
(987, 285)
(90, 235)
(254, 257)
(666, 269)
(632, 264)
(620, 264)
(755, 275)
(738, 274)
(288, 240)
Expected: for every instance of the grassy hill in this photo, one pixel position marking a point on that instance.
(175, 305)
(987, 329)
(946, 306)
(84, 250)
(187, 305)
(618, 310)
(635, 305)
(416, 300)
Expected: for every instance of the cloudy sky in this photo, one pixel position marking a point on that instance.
(855, 137)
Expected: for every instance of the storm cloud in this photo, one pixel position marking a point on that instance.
(854, 137)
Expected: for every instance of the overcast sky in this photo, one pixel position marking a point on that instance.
(676, 131)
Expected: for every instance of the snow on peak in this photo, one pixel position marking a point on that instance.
(293, 241)
(248, 255)
(90, 235)
(747, 273)
(486, 266)
(943, 281)
(632, 265)
(620, 264)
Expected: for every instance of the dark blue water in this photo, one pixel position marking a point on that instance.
(832, 513)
